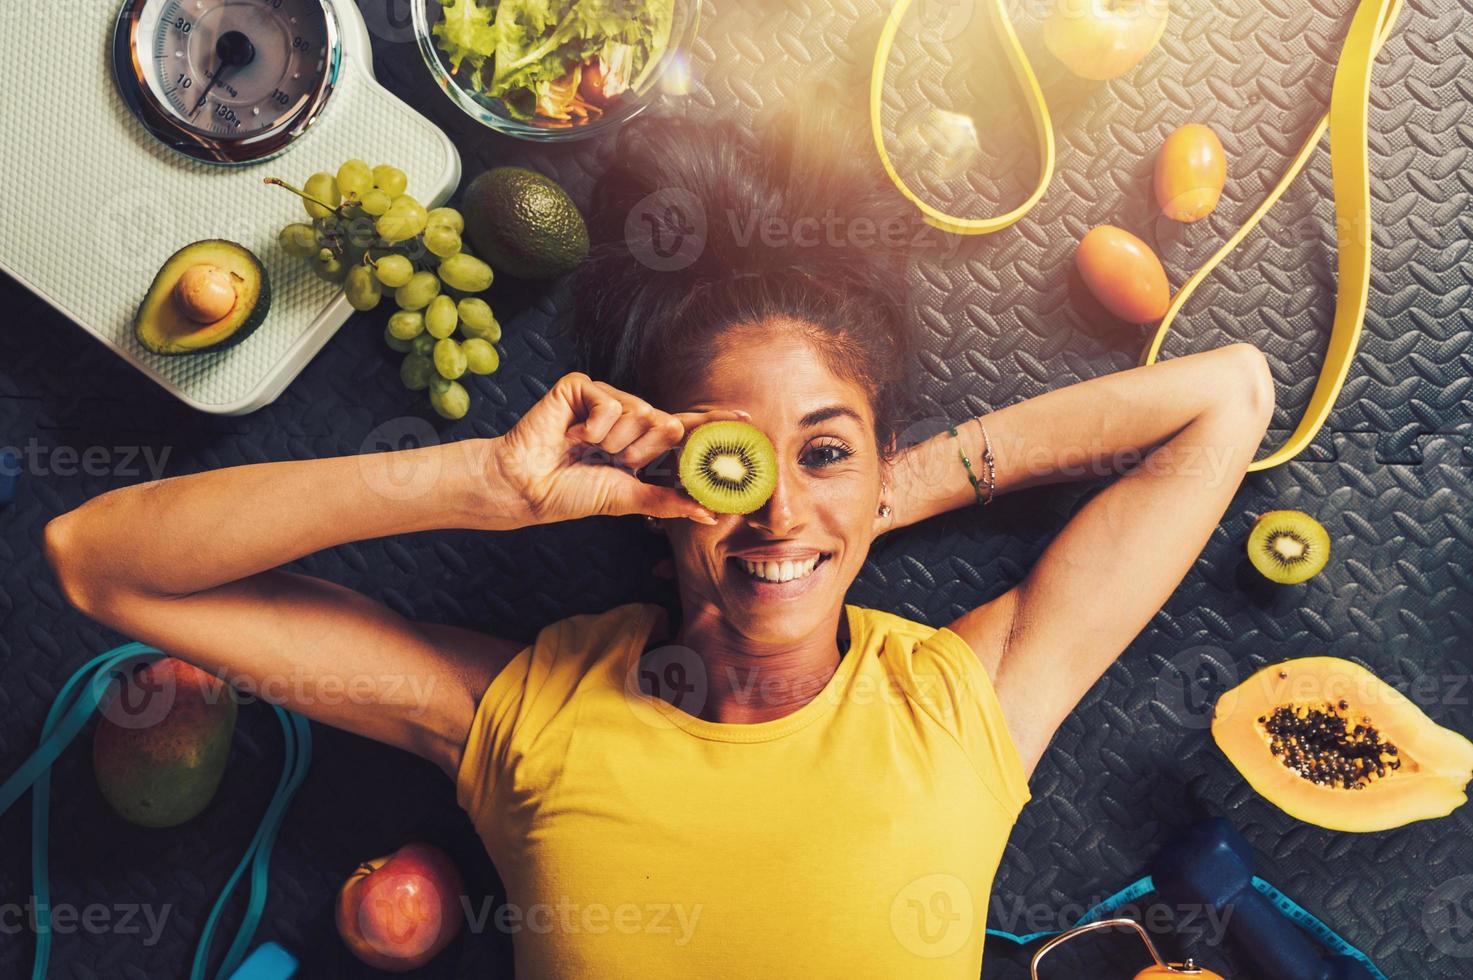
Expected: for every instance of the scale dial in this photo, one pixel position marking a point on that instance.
(226, 81)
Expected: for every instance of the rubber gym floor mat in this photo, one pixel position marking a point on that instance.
(1135, 764)
(1003, 321)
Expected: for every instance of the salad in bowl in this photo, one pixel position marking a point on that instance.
(550, 65)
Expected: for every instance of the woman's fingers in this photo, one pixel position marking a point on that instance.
(598, 410)
(632, 433)
(646, 498)
(692, 419)
(606, 409)
(626, 431)
(655, 439)
(661, 438)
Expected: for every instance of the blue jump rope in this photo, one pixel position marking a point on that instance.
(77, 701)
(1290, 909)
(1212, 864)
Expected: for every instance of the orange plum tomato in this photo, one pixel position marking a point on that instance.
(1103, 39)
(1123, 274)
(593, 83)
(1190, 172)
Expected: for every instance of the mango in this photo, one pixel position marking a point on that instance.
(162, 743)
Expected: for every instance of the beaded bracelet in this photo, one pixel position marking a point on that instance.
(987, 458)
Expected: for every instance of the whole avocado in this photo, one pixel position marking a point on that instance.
(523, 223)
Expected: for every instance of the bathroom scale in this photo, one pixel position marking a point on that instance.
(133, 128)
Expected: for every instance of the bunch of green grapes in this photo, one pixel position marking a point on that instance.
(442, 339)
(369, 235)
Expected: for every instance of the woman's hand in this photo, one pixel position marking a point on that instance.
(574, 453)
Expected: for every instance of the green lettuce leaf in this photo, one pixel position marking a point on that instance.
(519, 49)
(466, 31)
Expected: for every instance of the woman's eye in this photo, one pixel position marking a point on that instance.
(828, 454)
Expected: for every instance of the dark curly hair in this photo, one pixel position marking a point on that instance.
(698, 226)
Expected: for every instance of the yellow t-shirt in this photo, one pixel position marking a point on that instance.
(856, 837)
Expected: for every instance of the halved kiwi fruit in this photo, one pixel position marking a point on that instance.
(729, 467)
(1288, 546)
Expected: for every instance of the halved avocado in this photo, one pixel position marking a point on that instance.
(163, 324)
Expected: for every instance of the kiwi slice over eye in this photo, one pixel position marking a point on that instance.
(729, 467)
(1288, 546)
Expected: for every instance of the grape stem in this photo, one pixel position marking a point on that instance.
(304, 195)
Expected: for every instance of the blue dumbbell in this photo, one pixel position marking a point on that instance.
(1212, 867)
(268, 962)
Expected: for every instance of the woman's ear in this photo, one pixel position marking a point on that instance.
(889, 451)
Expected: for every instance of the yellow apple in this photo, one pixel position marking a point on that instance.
(1103, 39)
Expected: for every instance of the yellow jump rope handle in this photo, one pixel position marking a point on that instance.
(1347, 122)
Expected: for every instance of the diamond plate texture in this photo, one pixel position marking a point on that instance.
(1390, 476)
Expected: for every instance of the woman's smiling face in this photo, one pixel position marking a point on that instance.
(824, 504)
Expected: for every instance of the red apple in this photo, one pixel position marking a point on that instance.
(1103, 39)
(398, 911)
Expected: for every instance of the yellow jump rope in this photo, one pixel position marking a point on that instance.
(1346, 121)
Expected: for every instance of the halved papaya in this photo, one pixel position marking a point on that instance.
(1330, 743)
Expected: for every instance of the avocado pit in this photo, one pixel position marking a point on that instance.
(205, 293)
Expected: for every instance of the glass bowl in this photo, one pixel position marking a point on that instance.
(671, 74)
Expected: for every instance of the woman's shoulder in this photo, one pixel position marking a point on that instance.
(914, 653)
(585, 637)
(882, 624)
(945, 681)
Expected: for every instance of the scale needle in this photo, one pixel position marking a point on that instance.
(232, 50)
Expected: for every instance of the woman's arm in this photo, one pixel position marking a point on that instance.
(190, 565)
(1183, 433)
